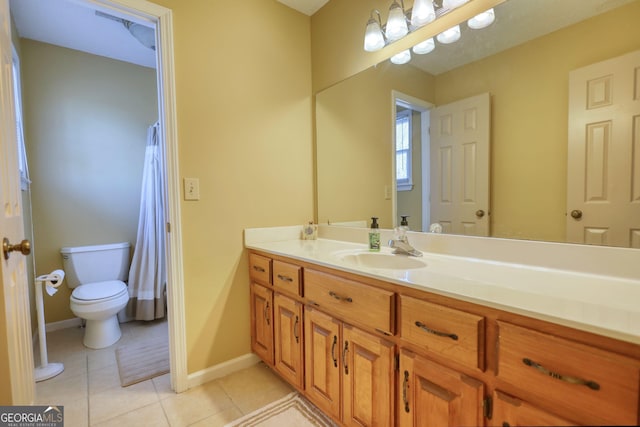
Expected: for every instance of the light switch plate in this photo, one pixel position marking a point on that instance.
(191, 189)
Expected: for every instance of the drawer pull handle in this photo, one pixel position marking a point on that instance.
(333, 351)
(266, 313)
(434, 332)
(339, 298)
(258, 268)
(405, 387)
(566, 378)
(285, 278)
(344, 357)
(295, 329)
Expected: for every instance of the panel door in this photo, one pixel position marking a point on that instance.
(288, 342)
(460, 166)
(509, 411)
(261, 322)
(603, 170)
(323, 363)
(16, 358)
(432, 395)
(368, 377)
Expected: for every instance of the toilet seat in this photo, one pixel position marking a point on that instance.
(99, 292)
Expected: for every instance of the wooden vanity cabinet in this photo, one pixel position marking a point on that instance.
(509, 411)
(368, 353)
(262, 322)
(584, 384)
(349, 372)
(430, 394)
(287, 339)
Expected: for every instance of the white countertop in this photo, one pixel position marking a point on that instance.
(602, 304)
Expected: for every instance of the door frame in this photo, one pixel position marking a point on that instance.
(161, 17)
(424, 107)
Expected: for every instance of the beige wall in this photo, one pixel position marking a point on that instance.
(529, 99)
(353, 154)
(86, 120)
(243, 87)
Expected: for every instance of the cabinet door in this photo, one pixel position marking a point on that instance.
(322, 361)
(367, 379)
(510, 411)
(287, 318)
(261, 322)
(431, 395)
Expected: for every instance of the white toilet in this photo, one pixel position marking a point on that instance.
(96, 274)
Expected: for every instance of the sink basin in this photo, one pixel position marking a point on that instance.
(380, 260)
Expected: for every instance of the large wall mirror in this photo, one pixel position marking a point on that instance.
(525, 61)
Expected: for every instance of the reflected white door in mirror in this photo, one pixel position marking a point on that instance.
(603, 178)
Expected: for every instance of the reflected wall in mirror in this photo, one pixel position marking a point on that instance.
(529, 89)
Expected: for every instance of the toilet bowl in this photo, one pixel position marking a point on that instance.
(96, 274)
(99, 303)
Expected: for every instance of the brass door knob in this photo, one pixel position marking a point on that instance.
(576, 214)
(24, 247)
(479, 213)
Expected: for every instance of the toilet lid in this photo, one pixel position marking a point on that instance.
(99, 290)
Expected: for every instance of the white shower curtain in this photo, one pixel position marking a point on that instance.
(147, 276)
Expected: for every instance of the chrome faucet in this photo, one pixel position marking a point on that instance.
(402, 247)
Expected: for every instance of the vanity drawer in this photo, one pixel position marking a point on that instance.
(351, 301)
(287, 277)
(260, 269)
(591, 385)
(452, 333)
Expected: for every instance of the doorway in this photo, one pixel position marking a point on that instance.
(161, 18)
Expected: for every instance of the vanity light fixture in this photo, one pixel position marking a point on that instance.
(401, 57)
(422, 13)
(449, 36)
(424, 47)
(373, 36)
(482, 20)
(397, 26)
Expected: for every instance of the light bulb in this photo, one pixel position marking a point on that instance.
(482, 20)
(373, 38)
(422, 13)
(452, 4)
(449, 36)
(402, 57)
(396, 23)
(424, 47)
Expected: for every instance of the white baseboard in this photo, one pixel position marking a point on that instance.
(213, 372)
(63, 324)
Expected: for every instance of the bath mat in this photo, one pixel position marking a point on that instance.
(291, 410)
(141, 361)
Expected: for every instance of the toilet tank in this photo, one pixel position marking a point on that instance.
(98, 263)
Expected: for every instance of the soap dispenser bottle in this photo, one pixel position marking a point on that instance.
(401, 231)
(374, 235)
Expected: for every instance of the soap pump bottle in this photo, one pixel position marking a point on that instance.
(401, 231)
(374, 235)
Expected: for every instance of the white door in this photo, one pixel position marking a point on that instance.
(603, 170)
(14, 306)
(460, 166)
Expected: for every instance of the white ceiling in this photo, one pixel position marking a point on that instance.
(72, 24)
(308, 7)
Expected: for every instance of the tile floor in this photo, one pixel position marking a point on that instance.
(89, 388)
